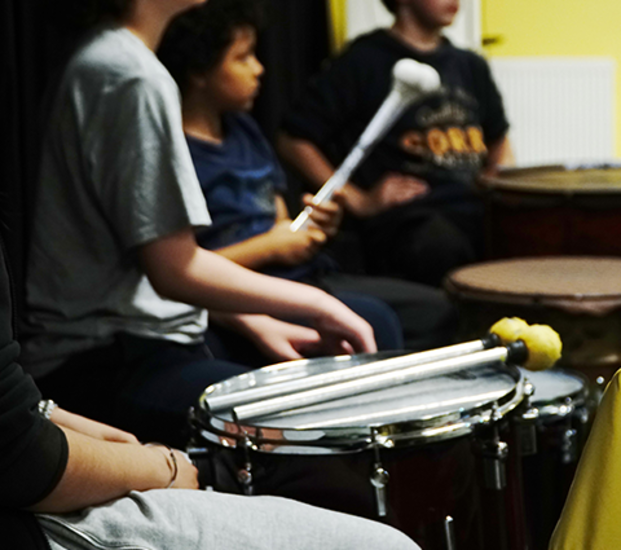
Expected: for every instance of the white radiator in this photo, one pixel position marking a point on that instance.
(561, 109)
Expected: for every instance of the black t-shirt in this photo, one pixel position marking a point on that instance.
(442, 139)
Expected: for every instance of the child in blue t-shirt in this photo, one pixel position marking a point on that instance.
(210, 51)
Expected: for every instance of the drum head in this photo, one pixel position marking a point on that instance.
(579, 279)
(557, 391)
(557, 180)
(440, 407)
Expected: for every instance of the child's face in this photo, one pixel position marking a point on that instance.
(434, 14)
(234, 83)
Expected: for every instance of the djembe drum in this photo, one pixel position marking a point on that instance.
(580, 297)
(553, 210)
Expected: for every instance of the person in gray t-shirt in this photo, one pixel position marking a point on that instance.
(104, 257)
(117, 286)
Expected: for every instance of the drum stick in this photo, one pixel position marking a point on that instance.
(515, 353)
(229, 401)
(410, 81)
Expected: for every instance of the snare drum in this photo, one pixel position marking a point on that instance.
(579, 297)
(434, 458)
(561, 419)
(553, 210)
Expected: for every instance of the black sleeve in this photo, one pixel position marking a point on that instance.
(330, 100)
(493, 117)
(33, 451)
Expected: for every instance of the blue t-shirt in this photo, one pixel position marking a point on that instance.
(240, 179)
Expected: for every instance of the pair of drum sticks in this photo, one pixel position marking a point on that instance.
(536, 347)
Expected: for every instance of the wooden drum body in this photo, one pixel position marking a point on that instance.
(553, 210)
(579, 297)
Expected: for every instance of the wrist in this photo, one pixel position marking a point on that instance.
(319, 304)
(47, 408)
(171, 462)
(270, 250)
(357, 202)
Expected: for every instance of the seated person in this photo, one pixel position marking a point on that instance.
(210, 51)
(117, 287)
(95, 487)
(412, 202)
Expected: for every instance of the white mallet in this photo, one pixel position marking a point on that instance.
(410, 81)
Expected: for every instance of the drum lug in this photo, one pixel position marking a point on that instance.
(379, 479)
(244, 475)
(526, 423)
(582, 415)
(569, 447)
(494, 457)
(495, 453)
(527, 432)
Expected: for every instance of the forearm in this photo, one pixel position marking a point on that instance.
(500, 153)
(217, 283)
(254, 253)
(99, 471)
(184, 272)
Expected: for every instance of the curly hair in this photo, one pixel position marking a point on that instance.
(391, 5)
(196, 40)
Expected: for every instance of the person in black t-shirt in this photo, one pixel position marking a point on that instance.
(413, 200)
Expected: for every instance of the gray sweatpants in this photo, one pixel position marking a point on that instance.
(206, 520)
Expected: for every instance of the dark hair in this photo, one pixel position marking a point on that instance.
(197, 39)
(391, 5)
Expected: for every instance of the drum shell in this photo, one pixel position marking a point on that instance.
(546, 225)
(438, 438)
(551, 210)
(561, 431)
(427, 483)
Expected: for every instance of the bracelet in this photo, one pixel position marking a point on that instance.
(46, 408)
(173, 459)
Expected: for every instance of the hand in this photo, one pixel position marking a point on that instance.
(89, 427)
(393, 190)
(341, 328)
(328, 215)
(294, 248)
(280, 340)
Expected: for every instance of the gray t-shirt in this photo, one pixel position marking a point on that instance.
(116, 173)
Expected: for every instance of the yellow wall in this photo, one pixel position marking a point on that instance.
(556, 28)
